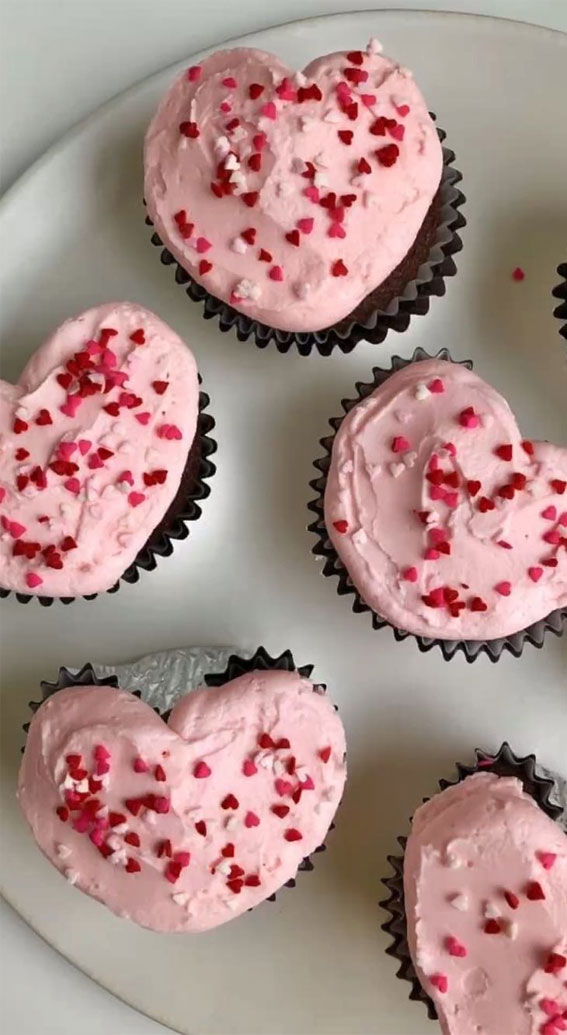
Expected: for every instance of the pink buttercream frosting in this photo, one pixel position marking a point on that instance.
(485, 883)
(94, 439)
(291, 195)
(449, 524)
(239, 817)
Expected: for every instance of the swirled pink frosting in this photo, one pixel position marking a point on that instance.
(449, 523)
(485, 883)
(93, 443)
(193, 822)
(291, 195)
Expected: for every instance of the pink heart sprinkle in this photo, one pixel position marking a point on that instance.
(249, 769)
(504, 588)
(276, 273)
(437, 385)
(550, 1007)
(535, 574)
(203, 245)
(437, 535)
(251, 820)
(552, 538)
(97, 836)
(193, 73)
(400, 444)
(312, 193)
(433, 463)
(403, 110)
(431, 554)
(33, 580)
(450, 448)
(368, 99)
(229, 82)
(140, 766)
(550, 513)
(283, 787)
(563, 519)
(437, 492)
(226, 107)
(455, 947)
(437, 595)
(336, 230)
(70, 407)
(410, 574)
(397, 131)
(14, 528)
(66, 450)
(143, 418)
(305, 225)
(269, 110)
(201, 771)
(135, 498)
(2, 493)
(73, 485)
(84, 446)
(440, 981)
(547, 859)
(452, 499)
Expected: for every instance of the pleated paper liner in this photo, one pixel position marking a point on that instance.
(504, 763)
(406, 291)
(184, 508)
(237, 666)
(472, 649)
(560, 292)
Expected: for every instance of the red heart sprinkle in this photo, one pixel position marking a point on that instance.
(189, 129)
(345, 135)
(115, 819)
(518, 273)
(134, 805)
(504, 452)
(255, 90)
(201, 771)
(264, 256)
(485, 504)
(388, 155)
(19, 426)
(201, 827)
(193, 73)
(248, 768)
(205, 267)
(64, 380)
(356, 57)
(455, 947)
(324, 754)
(235, 886)
(182, 858)
(265, 741)
(43, 417)
(554, 963)
(436, 386)
(355, 75)
(534, 891)
(276, 273)
(547, 859)
(164, 849)
(364, 166)
(512, 899)
(138, 337)
(250, 198)
(293, 835)
(160, 386)
(293, 237)
(283, 787)
(159, 774)
(410, 574)
(282, 744)
(133, 866)
(230, 802)
(504, 588)
(251, 820)
(255, 161)
(252, 880)
(478, 604)
(528, 447)
(535, 574)
(492, 927)
(228, 851)
(338, 269)
(132, 838)
(558, 486)
(341, 526)
(63, 813)
(440, 982)
(280, 810)
(172, 872)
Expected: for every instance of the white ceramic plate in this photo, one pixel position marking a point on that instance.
(73, 235)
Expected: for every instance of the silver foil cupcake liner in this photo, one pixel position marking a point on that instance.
(174, 525)
(160, 678)
(547, 789)
(560, 292)
(346, 333)
(472, 649)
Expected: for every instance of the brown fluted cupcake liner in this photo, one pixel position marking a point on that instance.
(406, 291)
(472, 649)
(503, 763)
(184, 508)
(261, 660)
(560, 292)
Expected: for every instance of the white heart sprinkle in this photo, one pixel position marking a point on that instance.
(491, 911)
(224, 867)
(512, 930)
(72, 876)
(460, 902)
(410, 459)
(181, 898)
(422, 391)
(397, 469)
(63, 851)
(374, 46)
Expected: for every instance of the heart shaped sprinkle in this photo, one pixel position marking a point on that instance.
(504, 564)
(75, 494)
(152, 842)
(275, 146)
(462, 913)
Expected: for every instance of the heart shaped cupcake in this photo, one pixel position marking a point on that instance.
(449, 524)
(182, 826)
(485, 885)
(291, 195)
(94, 441)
